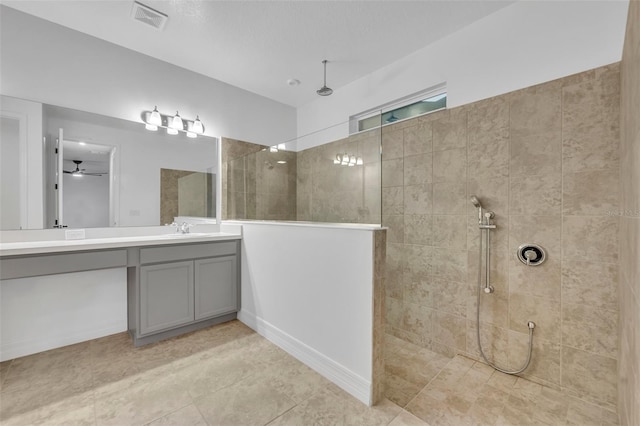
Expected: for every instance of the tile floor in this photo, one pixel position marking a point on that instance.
(461, 391)
(229, 375)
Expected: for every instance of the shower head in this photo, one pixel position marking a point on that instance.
(324, 90)
(476, 202)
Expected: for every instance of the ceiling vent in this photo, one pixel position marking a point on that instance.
(148, 16)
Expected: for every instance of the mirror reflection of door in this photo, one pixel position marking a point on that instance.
(87, 179)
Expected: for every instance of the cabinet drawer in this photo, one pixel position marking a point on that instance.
(49, 264)
(187, 251)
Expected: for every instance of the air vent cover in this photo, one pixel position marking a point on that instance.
(148, 16)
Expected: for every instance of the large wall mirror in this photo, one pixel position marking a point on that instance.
(99, 171)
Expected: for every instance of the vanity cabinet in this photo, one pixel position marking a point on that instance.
(181, 288)
(166, 296)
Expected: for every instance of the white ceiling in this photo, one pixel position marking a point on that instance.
(259, 45)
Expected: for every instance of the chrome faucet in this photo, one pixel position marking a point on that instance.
(184, 228)
(181, 228)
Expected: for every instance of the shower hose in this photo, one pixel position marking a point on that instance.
(530, 324)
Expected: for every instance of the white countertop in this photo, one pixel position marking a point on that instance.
(60, 246)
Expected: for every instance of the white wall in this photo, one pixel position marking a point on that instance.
(30, 164)
(41, 313)
(46, 62)
(527, 43)
(309, 289)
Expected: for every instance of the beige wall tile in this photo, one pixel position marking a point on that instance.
(590, 328)
(450, 165)
(590, 238)
(418, 169)
(494, 340)
(591, 193)
(418, 290)
(590, 283)
(532, 113)
(394, 312)
(545, 356)
(589, 374)
(450, 132)
(394, 269)
(418, 229)
(396, 226)
(449, 263)
(590, 125)
(543, 281)
(417, 319)
(393, 200)
(449, 296)
(418, 263)
(417, 139)
(392, 172)
(392, 144)
(450, 198)
(536, 195)
(536, 154)
(450, 330)
(544, 313)
(449, 231)
(418, 199)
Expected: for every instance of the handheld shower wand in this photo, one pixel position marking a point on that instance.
(485, 224)
(476, 202)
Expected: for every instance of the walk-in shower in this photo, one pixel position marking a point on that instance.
(485, 224)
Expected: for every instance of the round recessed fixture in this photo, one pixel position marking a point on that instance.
(293, 82)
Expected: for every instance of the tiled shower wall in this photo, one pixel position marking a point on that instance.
(257, 183)
(329, 192)
(546, 160)
(629, 359)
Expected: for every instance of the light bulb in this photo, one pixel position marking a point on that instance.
(191, 135)
(352, 161)
(345, 159)
(176, 123)
(359, 161)
(151, 127)
(171, 131)
(197, 126)
(154, 118)
(337, 159)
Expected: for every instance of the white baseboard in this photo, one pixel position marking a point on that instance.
(337, 373)
(16, 349)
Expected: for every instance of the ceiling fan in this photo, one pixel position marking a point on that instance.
(81, 172)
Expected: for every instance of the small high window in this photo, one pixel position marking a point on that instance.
(430, 100)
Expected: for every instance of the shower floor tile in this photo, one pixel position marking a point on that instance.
(461, 391)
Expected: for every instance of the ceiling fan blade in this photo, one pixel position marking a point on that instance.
(66, 171)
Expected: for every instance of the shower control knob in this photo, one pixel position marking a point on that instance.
(531, 254)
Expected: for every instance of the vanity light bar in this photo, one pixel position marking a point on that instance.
(347, 160)
(174, 124)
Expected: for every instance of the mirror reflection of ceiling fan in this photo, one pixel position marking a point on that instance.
(81, 172)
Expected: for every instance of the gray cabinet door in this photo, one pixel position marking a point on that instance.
(166, 296)
(216, 286)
